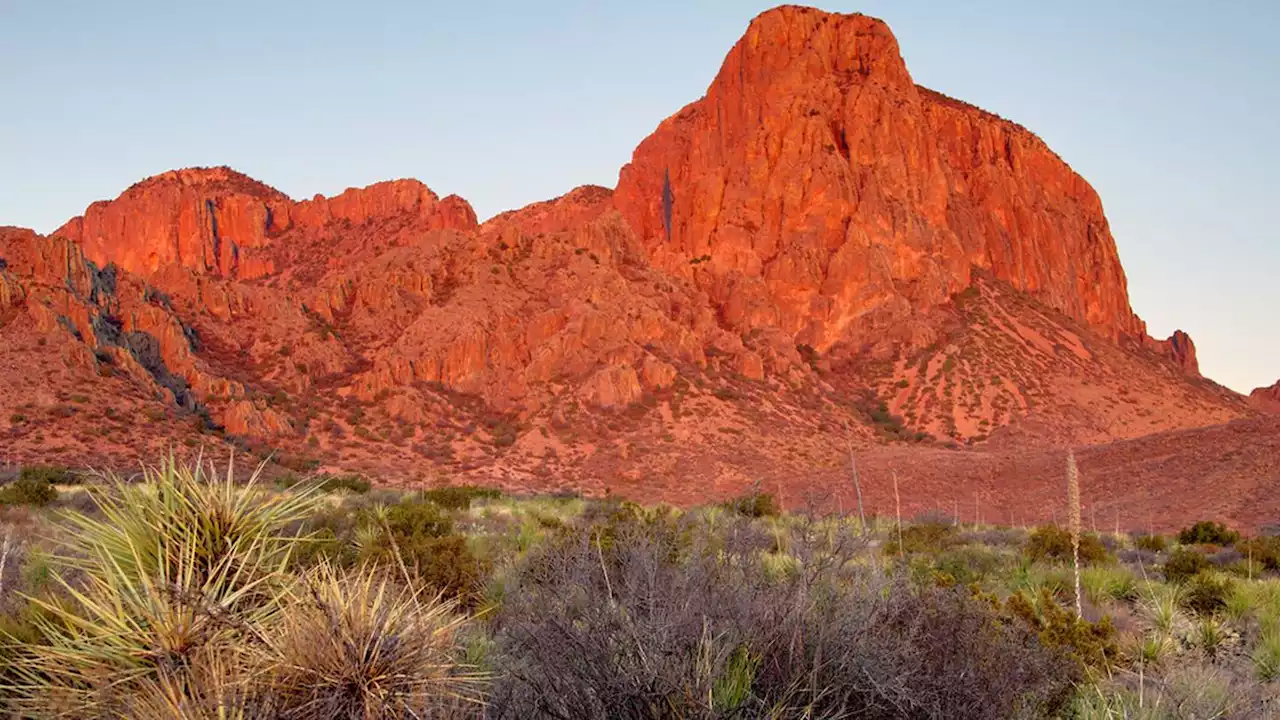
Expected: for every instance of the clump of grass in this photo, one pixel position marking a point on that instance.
(1109, 583)
(1266, 656)
(354, 645)
(51, 474)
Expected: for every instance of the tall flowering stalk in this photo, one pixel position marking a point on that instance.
(1073, 520)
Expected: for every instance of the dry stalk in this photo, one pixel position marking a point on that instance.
(897, 508)
(857, 486)
(1073, 520)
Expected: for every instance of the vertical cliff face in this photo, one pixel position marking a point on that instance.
(832, 194)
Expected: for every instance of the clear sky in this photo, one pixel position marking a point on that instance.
(1171, 109)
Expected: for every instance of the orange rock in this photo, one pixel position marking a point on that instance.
(817, 188)
(1267, 398)
(244, 418)
(613, 387)
(220, 222)
(1179, 349)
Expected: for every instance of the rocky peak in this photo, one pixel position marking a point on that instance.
(816, 187)
(221, 222)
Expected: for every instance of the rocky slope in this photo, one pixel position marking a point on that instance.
(816, 255)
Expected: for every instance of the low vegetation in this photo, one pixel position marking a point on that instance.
(189, 593)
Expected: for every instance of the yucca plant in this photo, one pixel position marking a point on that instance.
(171, 571)
(355, 645)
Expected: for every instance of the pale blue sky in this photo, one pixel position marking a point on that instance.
(1171, 109)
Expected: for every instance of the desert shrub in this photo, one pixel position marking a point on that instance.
(932, 538)
(1091, 644)
(634, 630)
(459, 497)
(1049, 542)
(28, 490)
(1264, 550)
(1206, 593)
(1151, 543)
(50, 474)
(754, 505)
(1184, 564)
(967, 565)
(1208, 533)
(351, 483)
(418, 537)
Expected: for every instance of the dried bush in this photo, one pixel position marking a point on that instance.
(353, 645)
(659, 623)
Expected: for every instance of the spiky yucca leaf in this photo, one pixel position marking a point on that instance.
(177, 567)
(354, 645)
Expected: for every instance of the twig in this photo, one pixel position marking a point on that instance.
(607, 585)
(897, 508)
(853, 469)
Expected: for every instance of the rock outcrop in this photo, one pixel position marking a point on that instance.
(817, 188)
(1267, 398)
(219, 222)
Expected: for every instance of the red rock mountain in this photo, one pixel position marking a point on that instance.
(817, 252)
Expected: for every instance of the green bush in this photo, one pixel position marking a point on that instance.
(49, 474)
(967, 565)
(754, 505)
(930, 538)
(1184, 564)
(459, 497)
(420, 535)
(1049, 542)
(28, 490)
(1090, 644)
(1208, 533)
(1151, 543)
